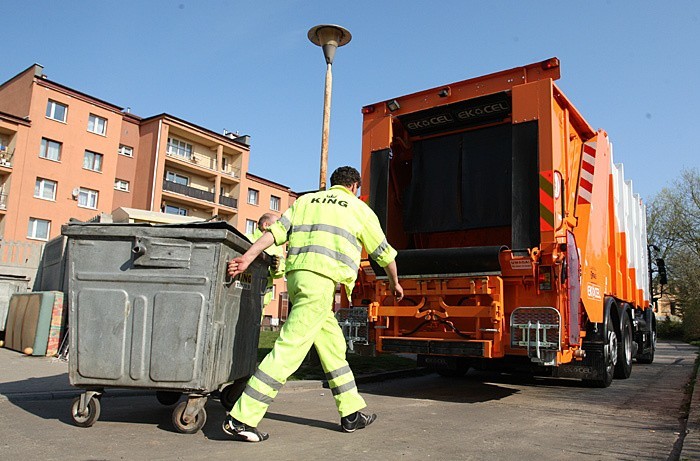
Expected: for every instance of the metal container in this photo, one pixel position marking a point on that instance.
(151, 306)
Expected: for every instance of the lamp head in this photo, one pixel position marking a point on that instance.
(329, 37)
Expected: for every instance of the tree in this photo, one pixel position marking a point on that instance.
(673, 225)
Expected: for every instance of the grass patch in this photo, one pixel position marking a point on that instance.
(360, 365)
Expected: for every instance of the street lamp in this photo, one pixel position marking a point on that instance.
(329, 37)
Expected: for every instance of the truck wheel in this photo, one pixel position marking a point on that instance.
(623, 368)
(648, 356)
(605, 367)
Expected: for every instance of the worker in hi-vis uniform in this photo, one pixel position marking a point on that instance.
(326, 232)
(276, 251)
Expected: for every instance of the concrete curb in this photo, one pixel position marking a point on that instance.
(691, 440)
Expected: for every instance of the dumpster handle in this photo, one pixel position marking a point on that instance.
(139, 249)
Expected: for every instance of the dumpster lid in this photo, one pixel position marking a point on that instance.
(198, 230)
(189, 225)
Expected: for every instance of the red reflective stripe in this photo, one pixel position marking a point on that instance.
(590, 150)
(586, 185)
(546, 200)
(545, 226)
(588, 167)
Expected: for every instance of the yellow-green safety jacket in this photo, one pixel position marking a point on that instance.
(326, 231)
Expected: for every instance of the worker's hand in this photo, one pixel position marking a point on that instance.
(237, 266)
(397, 289)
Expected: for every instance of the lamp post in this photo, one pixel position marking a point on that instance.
(329, 37)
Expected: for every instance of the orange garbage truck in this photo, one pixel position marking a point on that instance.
(520, 243)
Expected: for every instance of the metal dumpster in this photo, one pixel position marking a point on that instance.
(151, 306)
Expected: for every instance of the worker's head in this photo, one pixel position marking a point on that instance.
(266, 221)
(346, 176)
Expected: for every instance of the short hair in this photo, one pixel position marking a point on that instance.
(345, 176)
(267, 218)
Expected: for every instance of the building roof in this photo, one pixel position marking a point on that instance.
(14, 119)
(270, 183)
(43, 80)
(196, 127)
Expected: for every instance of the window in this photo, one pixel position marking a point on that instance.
(56, 111)
(50, 149)
(253, 196)
(97, 125)
(38, 229)
(120, 184)
(92, 161)
(181, 148)
(177, 178)
(126, 150)
(170, 209)
(274, 289)
(45, 189)
(87, 198)
(250, 226)
(274, 203)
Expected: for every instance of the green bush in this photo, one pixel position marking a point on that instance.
(670, 329)
(691, 324)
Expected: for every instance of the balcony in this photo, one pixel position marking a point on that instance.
(188, 191)
(201, 163)
(3, 202)
(235, 173)
(228, 201)
(6, 156)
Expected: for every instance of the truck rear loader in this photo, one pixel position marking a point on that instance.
(520, 243)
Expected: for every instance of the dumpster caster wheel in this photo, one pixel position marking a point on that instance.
(193, 426)
(91, 415)
(231, 393)
(168, 398)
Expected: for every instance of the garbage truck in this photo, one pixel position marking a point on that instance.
(521, 245)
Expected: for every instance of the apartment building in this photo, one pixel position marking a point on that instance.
(65, 154)
(13, 131)
(68, 155)
(184, 169)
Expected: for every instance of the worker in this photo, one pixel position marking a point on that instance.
(276, 251)
(326, 231)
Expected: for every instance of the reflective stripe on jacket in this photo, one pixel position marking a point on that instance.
(327, 230)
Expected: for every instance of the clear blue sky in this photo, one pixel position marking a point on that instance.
(631, 67)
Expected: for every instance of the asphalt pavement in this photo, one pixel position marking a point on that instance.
(28, 378)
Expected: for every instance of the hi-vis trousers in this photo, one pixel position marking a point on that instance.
(310, 322)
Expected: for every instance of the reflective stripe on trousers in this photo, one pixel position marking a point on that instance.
(310, 322)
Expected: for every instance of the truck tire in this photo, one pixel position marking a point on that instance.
(623, 368)
(605, 365)
(648, 356)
